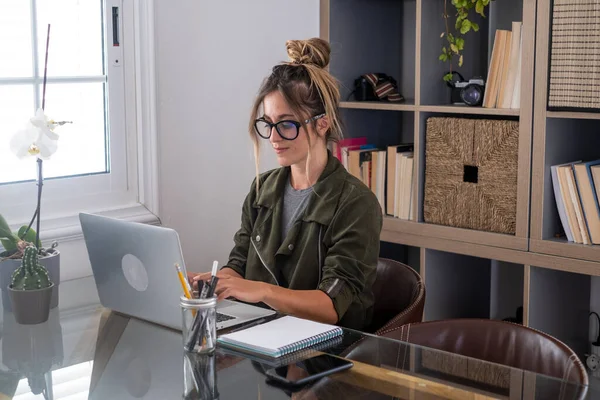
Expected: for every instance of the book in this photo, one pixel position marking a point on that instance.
(568, 203)
(392, 169)
(280, 337)
(587, 192)
(503, 82)
(506, 94)
(516, 96)
(596, 178)
(347, 144)
(560, 202)
(495, 70)
(407, 188)
(572, 184)
(290, 358)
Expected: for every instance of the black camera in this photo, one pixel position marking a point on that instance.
(467, 92)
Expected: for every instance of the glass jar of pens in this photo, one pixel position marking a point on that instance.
(199, 324)
(199, 315)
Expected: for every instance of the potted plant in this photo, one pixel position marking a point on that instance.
(11, 258)
(31, 289)
(462, 26)
(37, 140)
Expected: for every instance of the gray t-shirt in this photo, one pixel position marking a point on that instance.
(294, 204)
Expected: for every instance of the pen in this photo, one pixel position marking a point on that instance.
(207, 288)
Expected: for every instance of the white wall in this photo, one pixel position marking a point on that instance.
(211, 58)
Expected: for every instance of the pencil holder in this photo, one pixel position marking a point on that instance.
(199, 324)
(199, 377)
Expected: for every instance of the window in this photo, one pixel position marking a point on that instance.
(76, 85)
(91, 80)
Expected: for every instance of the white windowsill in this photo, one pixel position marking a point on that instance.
(67, 228)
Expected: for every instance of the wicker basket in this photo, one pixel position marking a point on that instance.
(574, 82)
(471, 174)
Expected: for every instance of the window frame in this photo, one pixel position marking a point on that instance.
(130, 190)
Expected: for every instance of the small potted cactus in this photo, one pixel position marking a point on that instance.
(31, 290)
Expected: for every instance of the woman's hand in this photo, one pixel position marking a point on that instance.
(241, 289)
(194, 278)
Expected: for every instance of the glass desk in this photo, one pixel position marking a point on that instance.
(85, 351)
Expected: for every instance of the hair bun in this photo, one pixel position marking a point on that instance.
(313, 51)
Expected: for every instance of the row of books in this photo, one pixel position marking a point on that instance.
(387, 172)
(503, 86)
(576, 188)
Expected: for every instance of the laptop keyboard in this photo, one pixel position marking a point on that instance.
(223, 317)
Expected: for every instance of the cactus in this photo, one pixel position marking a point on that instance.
(31, 274)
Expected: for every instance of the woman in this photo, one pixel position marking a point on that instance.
(309, 240)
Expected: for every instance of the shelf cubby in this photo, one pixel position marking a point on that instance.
(381, 128)
(356, 29)
(518, 241)
(559, 305)
(434, 90)
(408, 255)
(460, 286)
(565, 140)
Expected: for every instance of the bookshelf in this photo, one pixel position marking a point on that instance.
(470, 273)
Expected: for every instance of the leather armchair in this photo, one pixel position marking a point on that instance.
(503, 343)
(399, 296)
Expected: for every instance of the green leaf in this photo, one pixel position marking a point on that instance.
(479, 7)
(475, 26)
(8, 239)
(8, 245)
(444, 50)
(4, 228)
(466, 26)
(460, 61)
(460, 43)
(454, 48)
(448, 77)
(442, 57)
(29, 237)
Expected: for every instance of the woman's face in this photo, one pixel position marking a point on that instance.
(289, 152)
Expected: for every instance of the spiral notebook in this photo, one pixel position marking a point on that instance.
(280, 337)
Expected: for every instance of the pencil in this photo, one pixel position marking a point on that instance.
(184, 283)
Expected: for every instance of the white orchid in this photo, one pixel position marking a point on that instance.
(46, 125)
(38, 139)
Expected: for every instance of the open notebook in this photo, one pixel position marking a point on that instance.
(281, 336)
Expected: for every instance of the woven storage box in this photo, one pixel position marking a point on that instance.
(471, 174)
(574, 82)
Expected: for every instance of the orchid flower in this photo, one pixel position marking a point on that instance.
(38, 139)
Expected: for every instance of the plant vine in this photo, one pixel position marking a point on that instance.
(463, 25)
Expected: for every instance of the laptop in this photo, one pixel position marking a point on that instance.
(134, 269)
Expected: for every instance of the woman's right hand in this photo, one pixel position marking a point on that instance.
(205, 276)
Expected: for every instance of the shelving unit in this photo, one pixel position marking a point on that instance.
(387, 36)
(471, 273)
(559, 137)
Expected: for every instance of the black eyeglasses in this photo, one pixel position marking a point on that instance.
(287, 129)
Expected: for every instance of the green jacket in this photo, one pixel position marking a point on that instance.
(333, 247)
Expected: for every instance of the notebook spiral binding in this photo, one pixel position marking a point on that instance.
(302, 344)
